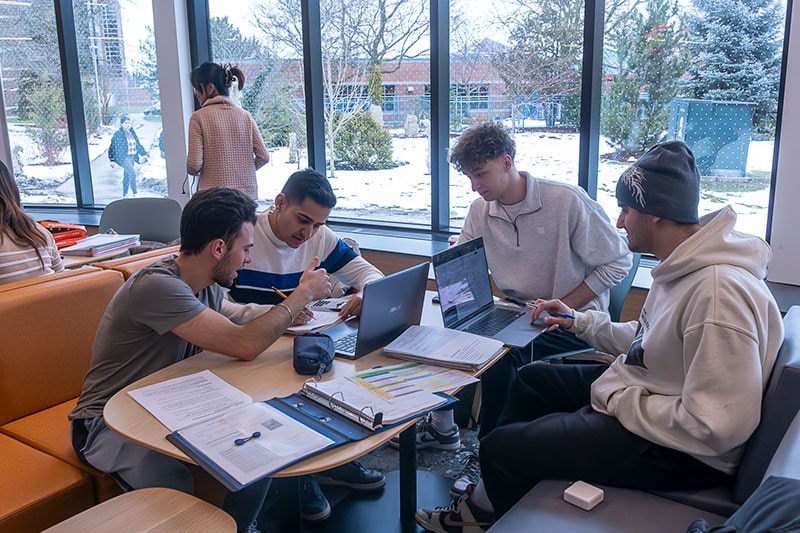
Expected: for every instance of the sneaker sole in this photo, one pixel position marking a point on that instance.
(432, 444)
(439, 446)
(329, 481)
(318, 517)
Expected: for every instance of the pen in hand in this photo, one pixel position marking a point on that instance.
(549, 312)
(280, 293)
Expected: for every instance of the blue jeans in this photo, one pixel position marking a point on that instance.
(128, 174)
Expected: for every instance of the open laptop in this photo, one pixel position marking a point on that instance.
(390, 306)
(467, 304)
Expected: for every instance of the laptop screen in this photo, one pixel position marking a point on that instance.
(462, 279)
(391, 305)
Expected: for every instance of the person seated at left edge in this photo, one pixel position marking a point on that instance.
(286, 237)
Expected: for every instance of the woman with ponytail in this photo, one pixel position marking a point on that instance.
(225, 146)
(27, 249)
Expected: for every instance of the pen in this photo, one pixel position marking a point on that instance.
(280, 293)
(562, 315)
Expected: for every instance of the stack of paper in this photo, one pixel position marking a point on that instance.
(100, 244)
(445, 347)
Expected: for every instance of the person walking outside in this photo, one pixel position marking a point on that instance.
(124, 151)
(225, 146)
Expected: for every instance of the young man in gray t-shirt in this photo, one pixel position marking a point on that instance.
(165, 313)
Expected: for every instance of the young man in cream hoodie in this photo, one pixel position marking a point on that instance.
(676, 408)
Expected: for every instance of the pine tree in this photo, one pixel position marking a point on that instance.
(736, 54)
(652, 59)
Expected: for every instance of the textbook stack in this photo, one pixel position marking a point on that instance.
(101, 244)
(64, 234)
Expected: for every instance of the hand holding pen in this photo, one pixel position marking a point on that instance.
(558, 314)
(303, 317)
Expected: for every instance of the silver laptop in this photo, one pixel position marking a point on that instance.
(390, 306)
(467, 304)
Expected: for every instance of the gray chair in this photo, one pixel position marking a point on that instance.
(153, 219)
(779, 406)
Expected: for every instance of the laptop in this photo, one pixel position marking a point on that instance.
(466, 301)
(390, 305)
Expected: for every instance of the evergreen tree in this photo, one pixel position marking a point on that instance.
(146, 66)
(652, 58)
(375, 86)
(736, 54)
(229, 46)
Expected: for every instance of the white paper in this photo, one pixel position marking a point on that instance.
(446, 346)
(398, 380)
(321, 320)
(372, 401)
(186, 400)
(282, 441)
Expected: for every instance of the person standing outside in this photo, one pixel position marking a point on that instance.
(676, 408)
(543, 239)
(225, 146)
(166, 313)
(124, 151)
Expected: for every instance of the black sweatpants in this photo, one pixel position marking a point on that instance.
(548, 430)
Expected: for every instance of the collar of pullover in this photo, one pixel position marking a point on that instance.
(531, 203)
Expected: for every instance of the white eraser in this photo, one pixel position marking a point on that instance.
(583, 495)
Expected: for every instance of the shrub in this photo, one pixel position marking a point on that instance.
(362, 145)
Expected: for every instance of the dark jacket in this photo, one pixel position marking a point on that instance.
(119, 147)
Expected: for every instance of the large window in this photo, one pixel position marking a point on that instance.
(693, 71)
(119, 80)
(35, 110)
(113, 57)
(387, 86)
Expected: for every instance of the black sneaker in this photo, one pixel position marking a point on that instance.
(353, 475)
(314, 506)
(461, 516)
(428, 437)
(469, 476)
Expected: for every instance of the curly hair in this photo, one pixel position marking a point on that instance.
(481, 143)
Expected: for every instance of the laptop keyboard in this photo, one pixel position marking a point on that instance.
(346, 344)
(494, 322)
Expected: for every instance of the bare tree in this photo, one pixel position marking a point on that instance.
(356, 35)
(344, 73)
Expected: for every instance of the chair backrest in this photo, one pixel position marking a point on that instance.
(779, 406)
(618, 294)
(154, 219)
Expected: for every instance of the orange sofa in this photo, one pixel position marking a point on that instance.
(48, 325)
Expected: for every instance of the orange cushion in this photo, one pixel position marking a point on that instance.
(36, 490)
(5, 287)
(52, 328)
(48, 431)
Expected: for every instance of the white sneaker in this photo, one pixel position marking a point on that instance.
(469, 476)
(428, 437)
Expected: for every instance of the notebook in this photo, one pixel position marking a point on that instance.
(390, 306)
(466, 301)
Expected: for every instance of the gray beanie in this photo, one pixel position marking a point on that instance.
(663, 182)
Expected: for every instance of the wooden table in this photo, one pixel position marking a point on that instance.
(270, 375)
(155, 509)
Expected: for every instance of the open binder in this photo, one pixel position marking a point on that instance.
(289, 430)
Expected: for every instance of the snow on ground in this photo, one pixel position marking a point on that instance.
(401, 194)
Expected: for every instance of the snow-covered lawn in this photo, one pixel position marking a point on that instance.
(401, 194)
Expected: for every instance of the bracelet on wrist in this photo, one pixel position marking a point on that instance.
(291, 316)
